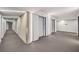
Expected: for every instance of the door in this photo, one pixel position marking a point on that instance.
(39, 26)
(53, 26)
(42, 26)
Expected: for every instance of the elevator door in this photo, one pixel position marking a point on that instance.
(39, 26)
(42, 26)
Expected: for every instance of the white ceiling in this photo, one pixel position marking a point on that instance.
(54, 11)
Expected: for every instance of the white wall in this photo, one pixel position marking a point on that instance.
(68, 26)
(72, 25)
(48, 27)
(3, 27)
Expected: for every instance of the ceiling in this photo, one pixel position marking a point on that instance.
(11, 13)
(54, 11)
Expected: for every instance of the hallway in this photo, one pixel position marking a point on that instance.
(10, 41)
(59, 42)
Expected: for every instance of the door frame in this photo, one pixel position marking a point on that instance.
(44, 26)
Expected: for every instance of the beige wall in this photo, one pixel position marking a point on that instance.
(29, 27)
(21, 27)
(24, 27)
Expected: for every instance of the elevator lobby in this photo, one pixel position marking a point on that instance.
(39, 29)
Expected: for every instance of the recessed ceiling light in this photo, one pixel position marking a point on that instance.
(62, 21)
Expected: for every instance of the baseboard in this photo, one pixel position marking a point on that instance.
(67, 32)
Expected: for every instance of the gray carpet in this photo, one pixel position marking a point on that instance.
(58, 42)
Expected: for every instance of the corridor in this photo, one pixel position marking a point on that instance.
(58, 42)
(37, 29)
(11, 41)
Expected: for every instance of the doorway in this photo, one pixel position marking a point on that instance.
(9, 25)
